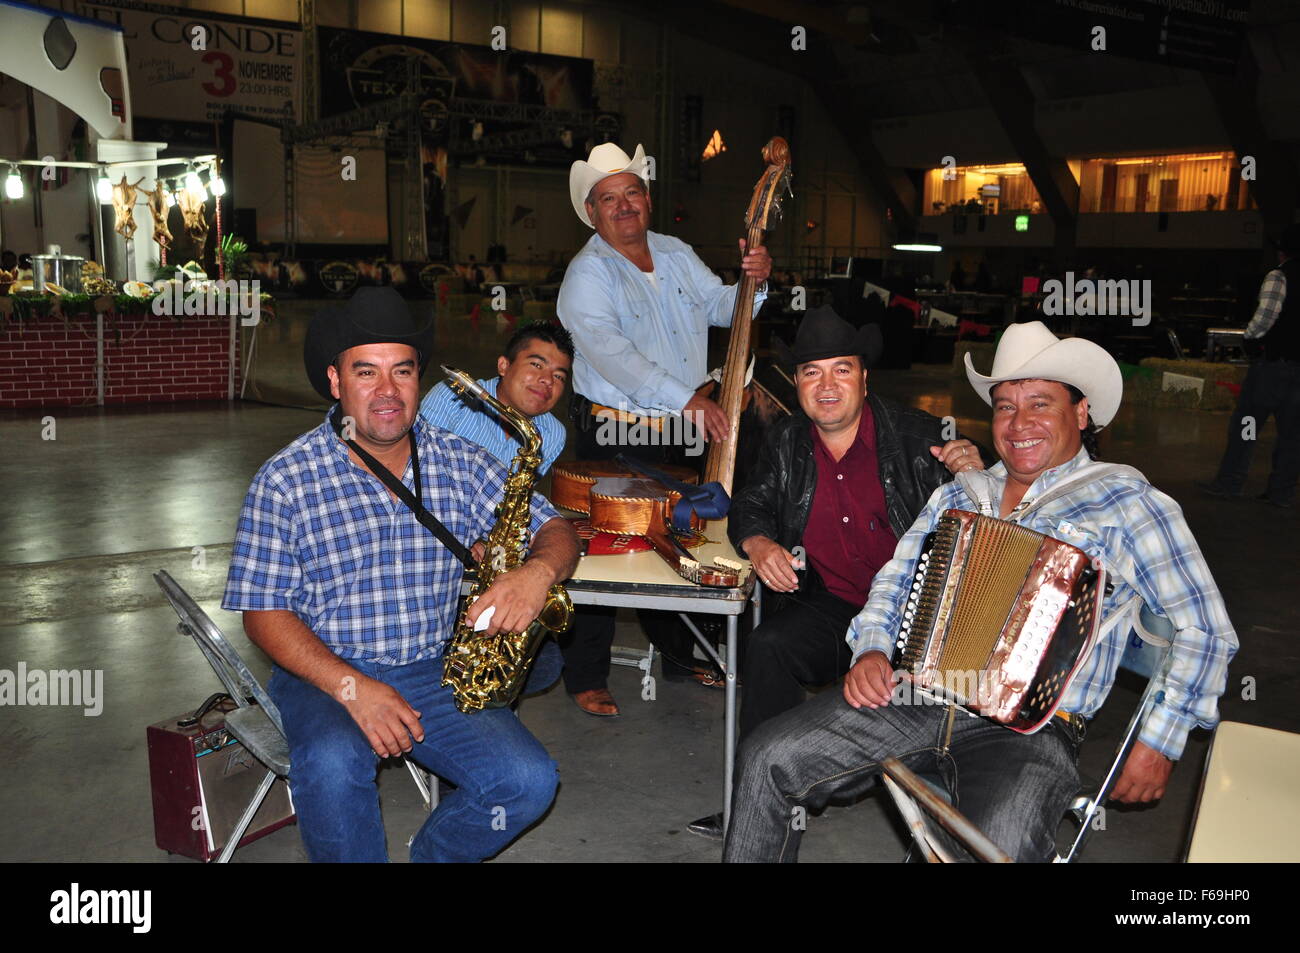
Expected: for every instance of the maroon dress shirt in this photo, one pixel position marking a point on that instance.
(848, 536)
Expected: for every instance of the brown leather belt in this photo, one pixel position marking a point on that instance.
(1076, 721)
(614, 413)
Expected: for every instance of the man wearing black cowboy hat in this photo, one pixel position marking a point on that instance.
(1272, 385)
(833, 489)
(354, 599)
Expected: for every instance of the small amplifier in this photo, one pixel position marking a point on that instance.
(202, 780)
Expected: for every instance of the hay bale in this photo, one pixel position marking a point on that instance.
(1148, 387)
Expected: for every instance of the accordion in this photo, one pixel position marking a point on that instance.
(999, 619)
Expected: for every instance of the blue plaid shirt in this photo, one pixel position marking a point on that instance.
(1143, 542)
(322, 537)
(1272, 295)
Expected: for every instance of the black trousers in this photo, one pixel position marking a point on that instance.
(587, 643)
(1271, 387)
(800, 644)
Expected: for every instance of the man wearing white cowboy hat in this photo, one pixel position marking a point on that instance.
(1048, 396)
(639, 306)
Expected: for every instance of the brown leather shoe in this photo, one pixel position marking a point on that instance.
(597, 701)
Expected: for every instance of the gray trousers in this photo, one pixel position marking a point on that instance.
(1014, 787)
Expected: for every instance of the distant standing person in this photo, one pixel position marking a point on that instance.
(1272, 385)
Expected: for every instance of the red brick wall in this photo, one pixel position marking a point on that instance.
(148, 359)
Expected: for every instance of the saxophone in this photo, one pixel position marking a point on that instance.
(488, 671)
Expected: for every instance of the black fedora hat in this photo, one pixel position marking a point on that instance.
(822, 333)
(370, 316)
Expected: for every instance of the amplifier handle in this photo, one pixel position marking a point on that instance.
(213, 701)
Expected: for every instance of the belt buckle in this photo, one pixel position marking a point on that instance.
(1078, 725)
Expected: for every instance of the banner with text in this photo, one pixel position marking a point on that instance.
(189, 67)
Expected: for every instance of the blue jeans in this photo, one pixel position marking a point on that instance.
(504, 778)
(1014, 787)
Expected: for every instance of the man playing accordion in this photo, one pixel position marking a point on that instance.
(1049, 397)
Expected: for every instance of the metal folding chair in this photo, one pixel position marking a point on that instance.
(256, 722)
(922, 804)
(1085, 808)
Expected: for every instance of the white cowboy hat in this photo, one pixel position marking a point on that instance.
(605, 160)
(1032, 352)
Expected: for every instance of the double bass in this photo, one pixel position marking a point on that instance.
(720, 465)
(621, 501)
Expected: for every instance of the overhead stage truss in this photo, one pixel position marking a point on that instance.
(399, 122)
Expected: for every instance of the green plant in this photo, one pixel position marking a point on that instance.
(234, 255)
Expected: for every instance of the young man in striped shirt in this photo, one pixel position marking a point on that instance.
(532, 374)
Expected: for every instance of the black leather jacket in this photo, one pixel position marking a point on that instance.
(778, 493)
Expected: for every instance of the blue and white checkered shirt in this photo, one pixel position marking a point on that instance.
(321, 537)
(1144, 543)
(442, 407)
(1272, 295)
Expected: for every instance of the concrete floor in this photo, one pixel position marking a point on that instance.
(123, 492)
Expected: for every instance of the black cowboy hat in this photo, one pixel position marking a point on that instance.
(822, 333)
(370, 316)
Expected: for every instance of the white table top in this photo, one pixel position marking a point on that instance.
(1250, 803)
(647, 573)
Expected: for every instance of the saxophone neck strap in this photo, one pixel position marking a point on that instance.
(413, 501)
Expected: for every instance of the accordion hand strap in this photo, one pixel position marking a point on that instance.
(985, 490)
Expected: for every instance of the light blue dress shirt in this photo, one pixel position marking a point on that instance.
(642, 346)
(445, 409)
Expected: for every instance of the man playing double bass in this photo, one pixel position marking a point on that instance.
(639, 306)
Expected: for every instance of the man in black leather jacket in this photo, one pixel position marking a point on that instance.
(833, 489)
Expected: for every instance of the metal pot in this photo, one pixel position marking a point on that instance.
(63, 270)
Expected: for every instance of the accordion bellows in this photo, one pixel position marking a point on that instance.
(999, 618)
